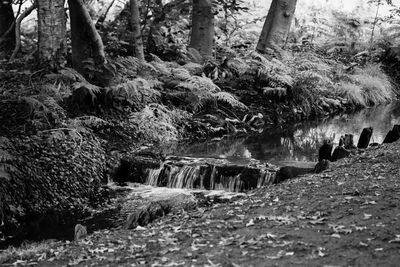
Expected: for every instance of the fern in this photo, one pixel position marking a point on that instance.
(72, 74)
(136, 92)
(156, 59)
(308, 65)
(155, 123)
(193, 68)
(199, 84)
(161, 68)
(68, 74)
(238, 65)
(36, 108)
(194, 55)
(131, 66)
(83, 89)
(259, 57)
(43, 110)
(313, 78)
(229, 99)
(180, 73)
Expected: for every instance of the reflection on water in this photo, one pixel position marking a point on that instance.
(299, 142)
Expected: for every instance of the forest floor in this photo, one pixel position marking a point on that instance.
(348, 215)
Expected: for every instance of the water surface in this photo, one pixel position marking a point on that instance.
(283, 145)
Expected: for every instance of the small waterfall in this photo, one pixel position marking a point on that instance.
(153, 175)
(212, 177)
(235, 183)
(267, 177)
(206, 174)
(185, 177)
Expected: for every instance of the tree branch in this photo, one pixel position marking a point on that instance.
(104, 16)
(18, 29)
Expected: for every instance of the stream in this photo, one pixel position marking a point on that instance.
(291, 144)
(282, 146)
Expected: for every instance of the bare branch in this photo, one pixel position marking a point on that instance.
(18, 29)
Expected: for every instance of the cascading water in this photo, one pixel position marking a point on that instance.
(185, 177)
(201, 174)
(153, 174)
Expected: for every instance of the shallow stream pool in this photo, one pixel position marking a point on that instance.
(283, 145)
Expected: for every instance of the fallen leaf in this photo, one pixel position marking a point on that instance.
(250, 223)
(396, 240)
(367, 216)
(335, 235)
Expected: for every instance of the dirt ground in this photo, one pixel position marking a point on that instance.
(346, 216)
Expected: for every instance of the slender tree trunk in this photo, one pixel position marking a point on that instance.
(51, 32)
(136, 32)
(17, 29)
(375, 21)
(86, 41)
(277, 25)
(7, 21)
(202, 35)
(104, 14)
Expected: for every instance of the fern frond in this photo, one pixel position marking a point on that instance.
(82, 89)
(259, 57)
(137, 91)
(194, 55)
(161, 67)
(131, 67)
(313, 77)
(229, 99)
(193, 68)
(156, 58)
(129, 63)
(34, 105)
(309, 65)
(238, 65)
(197, 83)
(72, 74)
(181, 73)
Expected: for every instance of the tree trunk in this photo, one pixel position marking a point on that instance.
(202, 34)
(6, 21)
(277, 25)
(136, 32)
(86, 41)
(51, 32)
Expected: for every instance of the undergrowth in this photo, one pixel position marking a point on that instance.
(368, 86)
